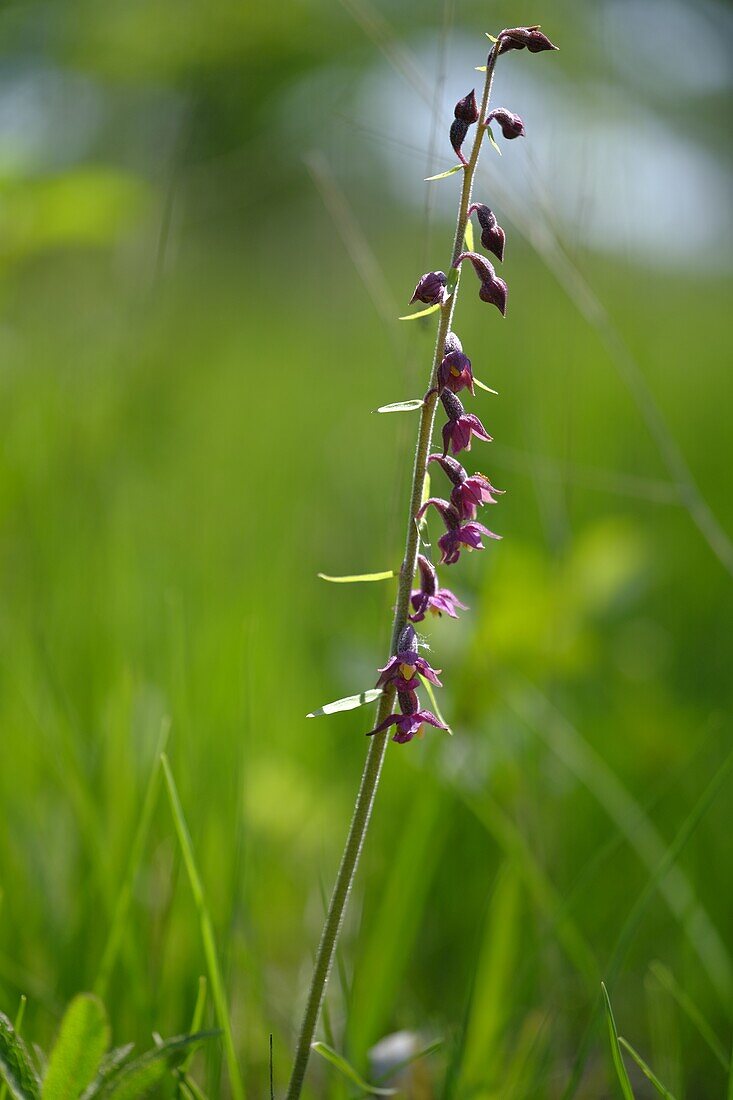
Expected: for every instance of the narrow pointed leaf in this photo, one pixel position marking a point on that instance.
(422, 313)
(668, 982)
(480, 68)
(491, 37)
(434, 704)
(349, 702)
(482, 386)
(492, 139)
(16, 1068)
(402, 406)
(618, 1061)
(82, 1042)
(468, 236)
(444, 175)
(138, 1077)
(340, 1063)
(646, 1070)
(108, 1067)
(385, 576)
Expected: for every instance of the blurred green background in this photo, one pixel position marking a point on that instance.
(211, 215)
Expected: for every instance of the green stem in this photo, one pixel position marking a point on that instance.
(378, 743)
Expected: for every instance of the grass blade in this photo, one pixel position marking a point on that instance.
(207, 932)
(668, 982)
(339, 1062)
(17, 1024)
(646, 1070)
(124, 899)
(618, 1061)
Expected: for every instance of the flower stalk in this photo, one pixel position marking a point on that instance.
(437, 289)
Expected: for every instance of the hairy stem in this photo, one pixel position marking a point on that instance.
(378, 743)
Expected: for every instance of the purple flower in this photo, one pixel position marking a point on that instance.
(410, 722)
(429, 597)
(493, 236)
(431, 288)
(402, 670)
(510, 124)
(466, 113)
(470, 492)
(517, 38)
(492, 288)
(454, 372)
(458, 535)
(460, 425)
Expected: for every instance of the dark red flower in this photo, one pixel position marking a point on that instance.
(510, 124)
(402, 670)
(410, 721)
(429, 597)
(470, 491)
(466, 113)
(519, 38)
(493, 236)
(455, 372)
(458, 536)
(492, 288)
(431, 288)
(460, 425)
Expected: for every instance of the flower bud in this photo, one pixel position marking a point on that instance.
(455, 372)
(493, 237)
(492, 289)
(517, 38)
(431, 288)
(466, 108)
(466, 113)
(511, 125)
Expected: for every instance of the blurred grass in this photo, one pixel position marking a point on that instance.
(186, 443)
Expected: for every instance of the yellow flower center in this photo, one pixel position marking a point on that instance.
(455, 371)
(407, 671)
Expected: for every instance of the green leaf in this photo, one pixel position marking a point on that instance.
(482, 386)
(468, 236)
(82, 1042)
(618, 1061)
(402, 406)
(16, 1068)
(385, 576)
(491, 37)
(646, 1070)
(348, 1071)
(434, 703)
(206, 928)
(349, 702)
(492, 139)
(443, 175)
(109, 1065)
(422, 313)
(138, 1077)
(480, 68)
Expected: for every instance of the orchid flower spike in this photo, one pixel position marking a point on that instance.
(492, 289)
(429, 597)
